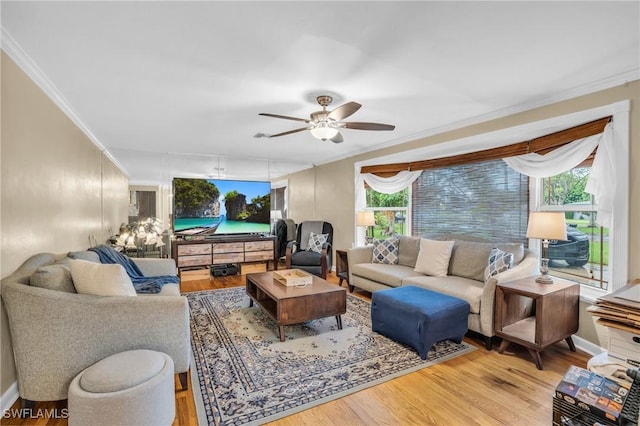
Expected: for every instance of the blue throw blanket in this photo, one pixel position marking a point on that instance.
(141, 283)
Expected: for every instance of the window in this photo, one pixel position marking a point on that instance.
(485, 199)
(490, 200)
(390, 212)
(615, 240)
(585, 256)
(279, 200)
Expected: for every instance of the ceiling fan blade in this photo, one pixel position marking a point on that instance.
(284, 117)
(291, 131)
(337, 138)
(367, 126)
(344, 111)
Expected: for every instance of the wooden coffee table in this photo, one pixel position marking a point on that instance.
(293, 305)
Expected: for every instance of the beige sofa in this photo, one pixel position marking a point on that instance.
(465, 278)
(57, 333)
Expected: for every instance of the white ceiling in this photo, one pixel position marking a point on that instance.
(175, 88)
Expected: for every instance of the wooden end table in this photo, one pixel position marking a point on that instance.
(535, 315)
(342, 266)
(294, 305)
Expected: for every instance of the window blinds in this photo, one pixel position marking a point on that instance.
(484, 199)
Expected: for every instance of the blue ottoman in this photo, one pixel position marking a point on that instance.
(418, 317)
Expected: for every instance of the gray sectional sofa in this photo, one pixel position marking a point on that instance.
(465, 278)
(57, 333)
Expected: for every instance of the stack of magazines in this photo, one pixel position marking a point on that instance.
(620, 309)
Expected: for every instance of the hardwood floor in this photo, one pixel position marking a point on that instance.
(479, 388)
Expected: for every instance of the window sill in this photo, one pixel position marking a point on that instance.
(589, 294)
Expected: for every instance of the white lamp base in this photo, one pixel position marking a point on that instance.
(544, 279)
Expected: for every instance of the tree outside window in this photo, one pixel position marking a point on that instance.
(390, 212)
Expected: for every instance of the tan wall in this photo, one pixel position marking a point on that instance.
(334, 199)
(115, 199)
(303, 191)
(57, 187)
(319, 193)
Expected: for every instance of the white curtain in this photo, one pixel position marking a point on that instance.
(555, 162)
(392, 184)
(601, 181)
(388, 185)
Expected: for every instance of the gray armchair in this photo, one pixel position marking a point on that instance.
(299, 257)
(57, 334)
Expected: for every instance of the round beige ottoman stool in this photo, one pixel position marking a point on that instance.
(128, 388)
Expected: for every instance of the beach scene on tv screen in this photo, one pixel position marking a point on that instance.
(213, 206)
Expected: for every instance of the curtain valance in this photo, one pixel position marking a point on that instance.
(555, 160)
(392, 184)
(458, 156)
(601, 183)
(385, 185)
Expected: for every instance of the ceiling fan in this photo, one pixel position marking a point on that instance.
(327, 124)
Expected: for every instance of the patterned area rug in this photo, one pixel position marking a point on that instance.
(247, 376)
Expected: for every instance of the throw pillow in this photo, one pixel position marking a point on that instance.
(499, 261)
(516, 248)
(101, 279)
(469, 259)
(316, 241)
(53, 277)
(433, 257)
(408, 249)
(386, 251)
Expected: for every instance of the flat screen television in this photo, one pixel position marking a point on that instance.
(207, 207)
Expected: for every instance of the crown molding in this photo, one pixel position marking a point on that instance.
(11, 47)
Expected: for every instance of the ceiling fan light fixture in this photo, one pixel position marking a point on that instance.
(326, 125)
(323, 132)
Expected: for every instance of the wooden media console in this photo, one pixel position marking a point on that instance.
(220, 250)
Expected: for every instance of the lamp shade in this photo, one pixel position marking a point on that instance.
(365, 218)
(547, 226)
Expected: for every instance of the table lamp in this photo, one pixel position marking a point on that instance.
(546, 226)
(365, 218)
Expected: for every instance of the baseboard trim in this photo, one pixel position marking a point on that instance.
(9, 397)
(587, 346)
